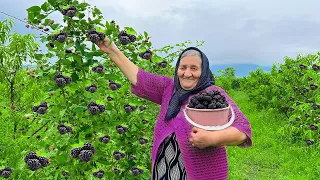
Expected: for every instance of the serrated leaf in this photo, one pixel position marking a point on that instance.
(34, 9)
(130, 30)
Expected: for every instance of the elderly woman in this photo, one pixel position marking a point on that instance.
(181, 151)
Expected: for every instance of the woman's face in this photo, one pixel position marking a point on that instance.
(189, 71)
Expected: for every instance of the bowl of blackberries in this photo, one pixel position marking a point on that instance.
(209, 109)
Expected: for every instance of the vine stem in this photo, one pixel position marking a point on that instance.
(38, 129)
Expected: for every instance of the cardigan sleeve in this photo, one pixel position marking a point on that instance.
(240, 122)
(150, 86)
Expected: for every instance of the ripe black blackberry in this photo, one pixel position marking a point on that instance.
(92, 88)
(6, 172)
(85, 155)
(43, 161)
(143, 140)
(105, 139)
(35, 162)
(70, 12)
(63, 129)
(128, 108)
(118, 155)
(99, 174)
(126, 38)
(146, 55)
(95, 36)
(61, 37)
(162, 64)
(88, 146)
(75, 152)
(98, 69)
(65, 173)
(40, 109)
(51, 44)
(136, 171)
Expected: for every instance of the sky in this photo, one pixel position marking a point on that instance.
(259, 33)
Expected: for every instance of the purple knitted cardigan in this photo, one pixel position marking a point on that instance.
(209, 163)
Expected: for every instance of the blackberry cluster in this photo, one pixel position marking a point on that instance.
(95, 36)
(65, 173)
(71, 11)
(118, 155)
(144, 121)
(126, 38)
(113, 85)
(132, 158)
(110, 98)
(121, 129)
(146, 55)
(315, 67)
(163, 64)
(98, 69)
(136, 171)
(142, 108)
(92, 88)
(143, 140)
(35, 162)
(313, 86)
(5, 172)
(95, 108)
(62, 80)
(208, 100)
(99, 174)
(64, 129)
(313, 127)
(128, 108)
(41, 109)
(84, 153)
(309, 142)
(105, 139)
(61, 37)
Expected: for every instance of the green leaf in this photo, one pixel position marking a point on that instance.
(130, 30)
(34, 9)
(45, 6)
(96, 11)
(62, 158)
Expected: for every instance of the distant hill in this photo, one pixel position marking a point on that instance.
(241, 69)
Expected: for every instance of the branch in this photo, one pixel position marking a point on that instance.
(38, 130)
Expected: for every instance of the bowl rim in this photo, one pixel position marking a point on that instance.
(208, 110)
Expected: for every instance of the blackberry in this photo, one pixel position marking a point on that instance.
(101, 107)
(5, 174)
(116, 171)
(98, 69)
(110, 98)
(92, 89)
(132, 37)
(92, 103)
(162, 64)
(144, 121)
(142, 108)
(43, 161)
(85, 155)
(143, 141)
(132, 158)
(113, 87)
(123, 33)
(51, 44)
(99, 174)
(57, 75)
(94, 38)
(35, 108)
(146, 56)
(71, 13)
(63, 130)
(41, 110)
(64, 173)
(124, 40)
(101, 35)
(33, 164)
(44, 104)
(105, 139)
(61, 82)
(68, 51)
(68, 79)
(88, 146)
(61, 38)
(30, 155)
(94, 110)
(75, 152)
(136, 171)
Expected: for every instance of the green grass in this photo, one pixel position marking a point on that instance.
(272, 156)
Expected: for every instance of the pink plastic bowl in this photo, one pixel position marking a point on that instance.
(209, 117)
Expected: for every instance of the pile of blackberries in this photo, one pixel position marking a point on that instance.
(61, 37)
(35, 162)
(62, 80)
(113, 85)
(64, 129)
(136, 171)
(146, 55)
(95, 36)
(118, 155)
(84, 153)
(98, 69)
(128, 108)
(99, 174)
(5, 172)
(208, 100)
(41, 109)
(105, 139)
(71, 11)
(95, 108)
(126, 38)
(92, 88)
(121, 129)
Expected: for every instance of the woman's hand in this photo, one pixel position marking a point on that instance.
(201, 138)
(106, 46)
